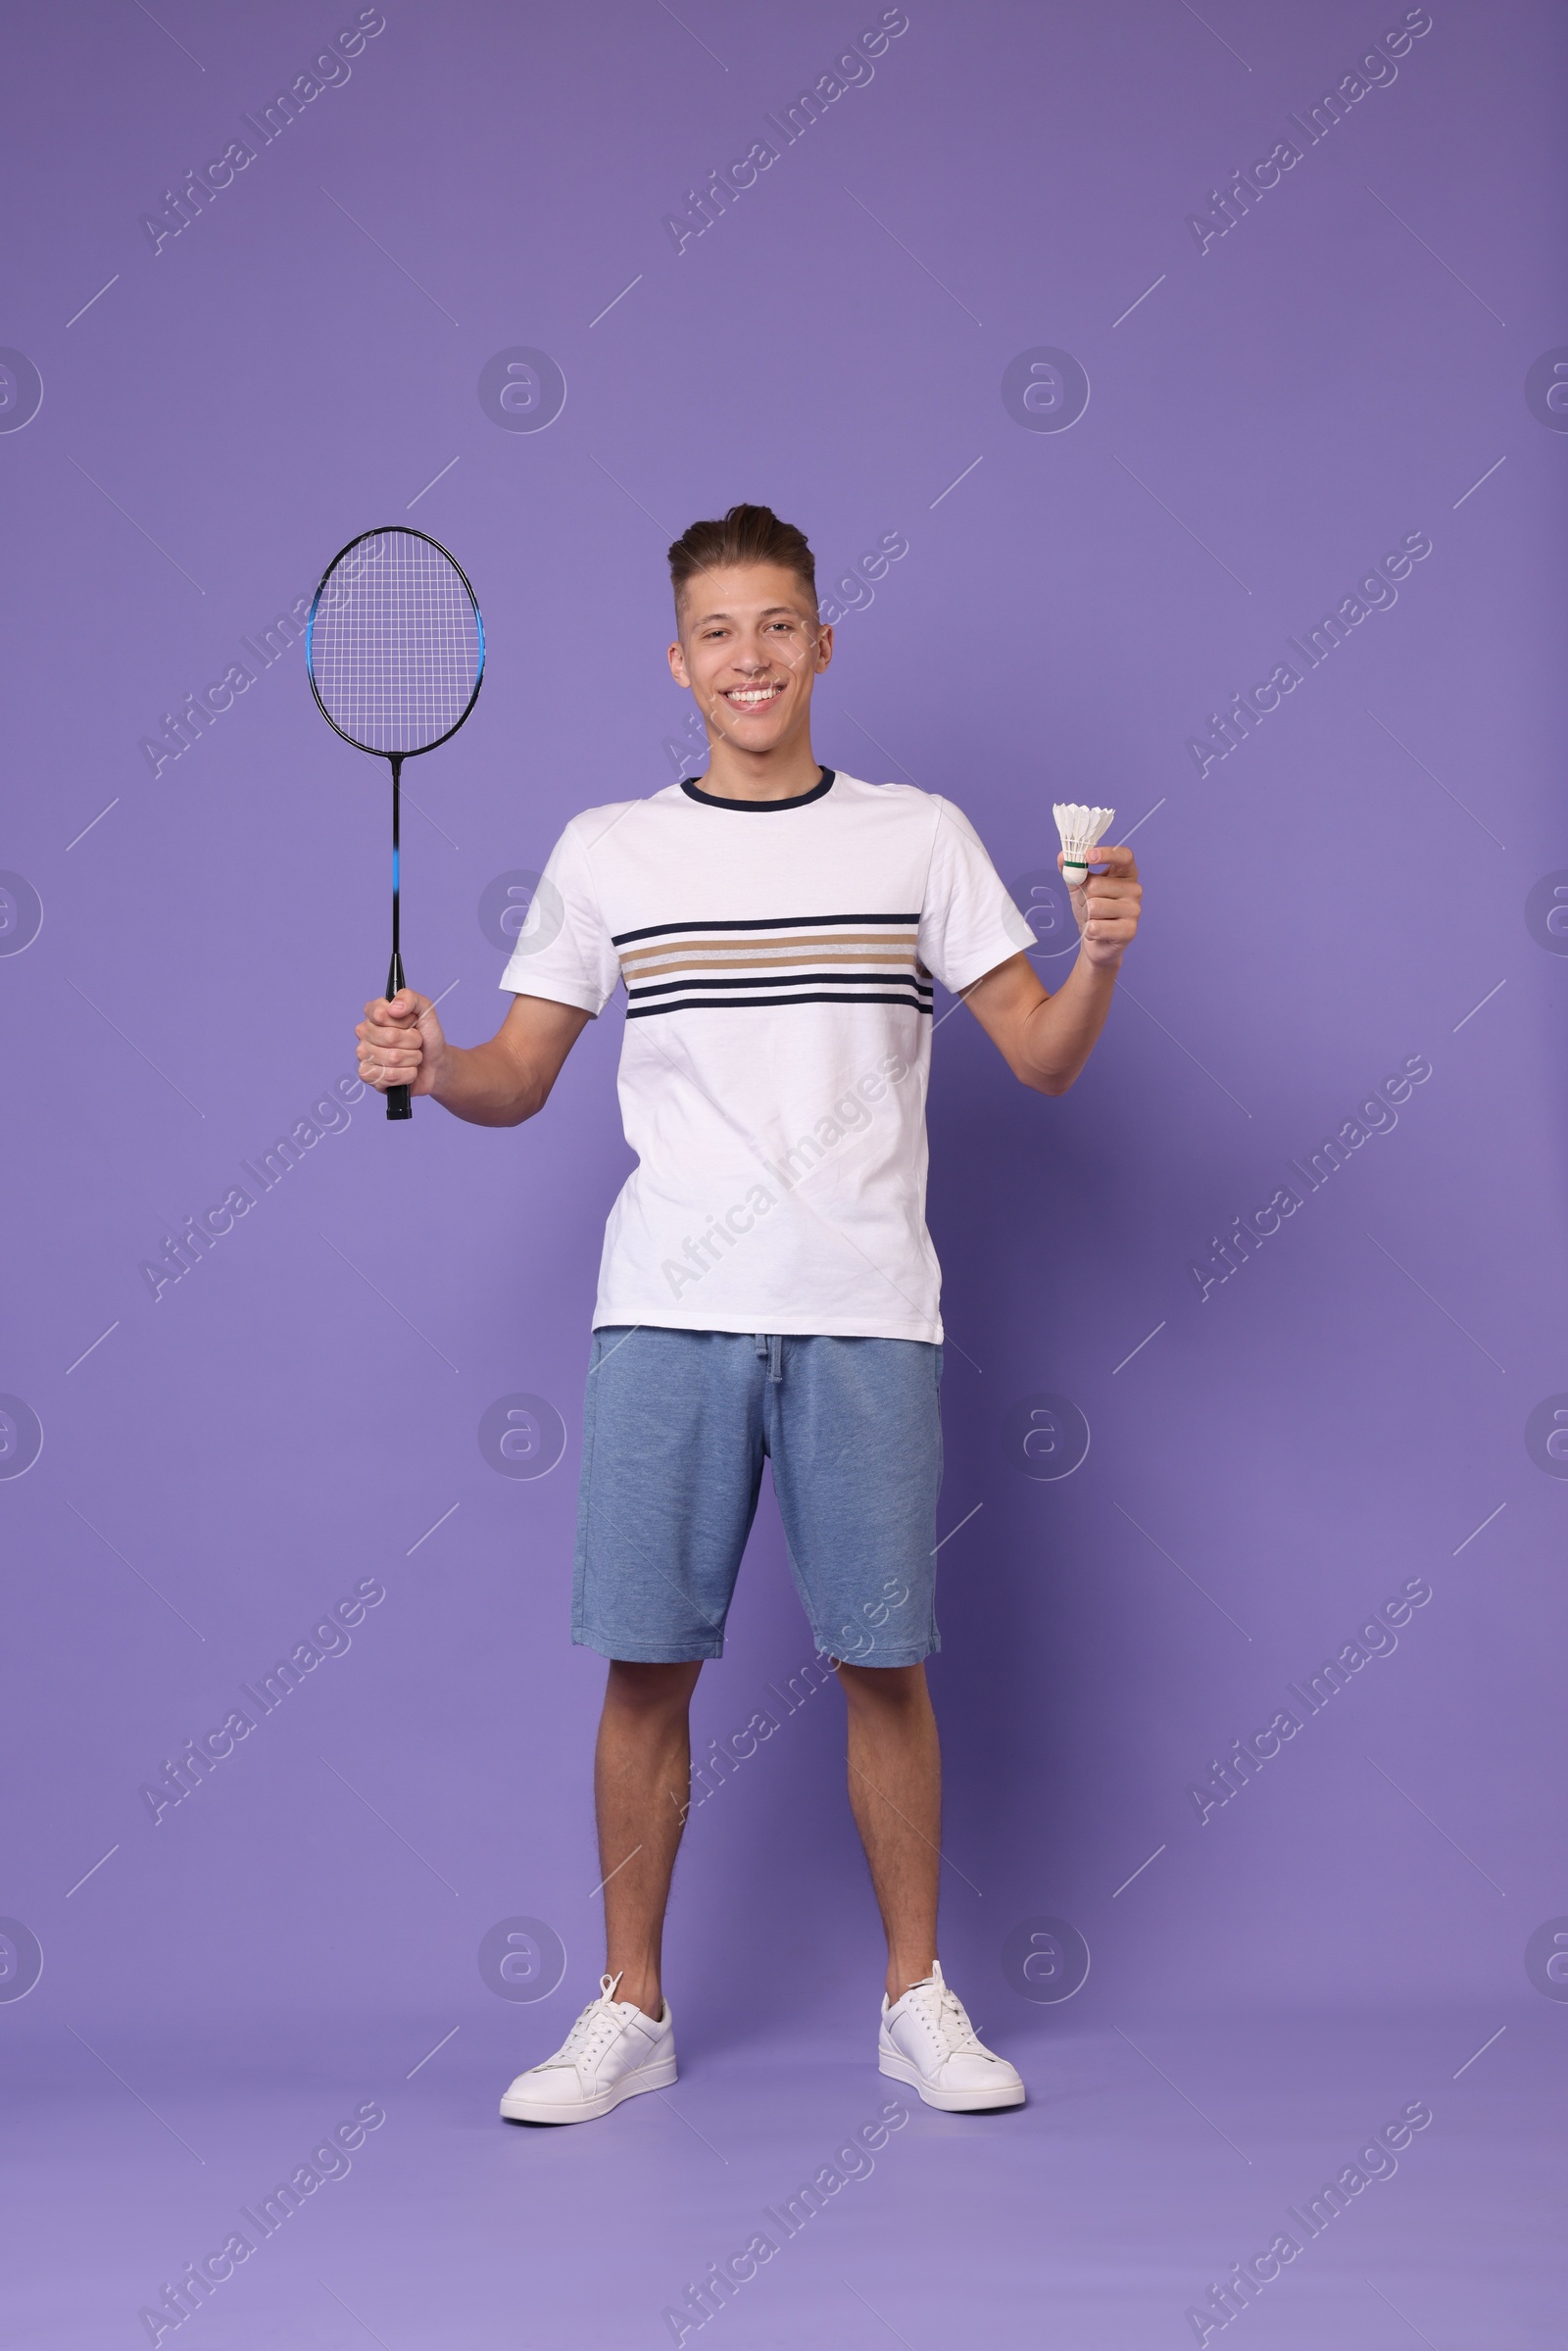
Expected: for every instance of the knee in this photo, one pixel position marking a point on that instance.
(885, 1687)
(650, 1690)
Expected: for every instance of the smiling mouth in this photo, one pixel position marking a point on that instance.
(750, 698)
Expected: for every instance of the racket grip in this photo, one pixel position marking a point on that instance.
(399, 1103)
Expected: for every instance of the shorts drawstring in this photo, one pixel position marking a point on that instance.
(771, 1347)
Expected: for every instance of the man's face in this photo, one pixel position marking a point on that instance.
(748, 649)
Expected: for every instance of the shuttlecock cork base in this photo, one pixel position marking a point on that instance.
(1080, 828)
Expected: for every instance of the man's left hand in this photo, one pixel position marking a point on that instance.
(1107, 906)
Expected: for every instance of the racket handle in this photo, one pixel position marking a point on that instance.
(399, 1101)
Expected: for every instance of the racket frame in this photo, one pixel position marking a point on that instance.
(399, 1099)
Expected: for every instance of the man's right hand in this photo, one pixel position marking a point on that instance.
(400, 1043)
(497, 1084)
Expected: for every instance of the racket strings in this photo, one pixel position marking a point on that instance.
(396, 649)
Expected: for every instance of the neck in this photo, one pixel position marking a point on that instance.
(780, 774)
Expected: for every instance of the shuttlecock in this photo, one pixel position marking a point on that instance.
(1080, 828)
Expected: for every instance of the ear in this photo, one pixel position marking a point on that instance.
(677, 666)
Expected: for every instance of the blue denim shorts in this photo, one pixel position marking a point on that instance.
(674, 1433)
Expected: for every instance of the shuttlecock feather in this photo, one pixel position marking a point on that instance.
(1080, 828)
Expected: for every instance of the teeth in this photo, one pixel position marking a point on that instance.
(750, 694)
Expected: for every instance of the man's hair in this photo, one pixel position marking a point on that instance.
(747, 534)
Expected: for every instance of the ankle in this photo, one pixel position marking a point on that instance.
(902, 1972)
(643, 1990)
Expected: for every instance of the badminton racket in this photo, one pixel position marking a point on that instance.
(395, 651)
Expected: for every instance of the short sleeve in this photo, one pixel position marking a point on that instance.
(968, 924)
(564, 950)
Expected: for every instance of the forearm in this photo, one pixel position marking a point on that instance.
(1057, 1038)
(487, 1085)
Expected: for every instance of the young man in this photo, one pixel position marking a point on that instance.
(768, 1284)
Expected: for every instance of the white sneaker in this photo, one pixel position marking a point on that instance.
(928, 2041)
(611, 2052)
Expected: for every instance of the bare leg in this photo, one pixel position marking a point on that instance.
(896, 1793)
(642, 1790)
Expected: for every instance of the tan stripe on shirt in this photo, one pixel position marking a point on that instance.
(761, 954)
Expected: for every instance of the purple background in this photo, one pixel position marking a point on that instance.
(1349, 888)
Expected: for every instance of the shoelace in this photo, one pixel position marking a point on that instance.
(597, 2026)
(945, 2013)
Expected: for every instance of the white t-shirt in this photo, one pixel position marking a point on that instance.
(777, 959)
